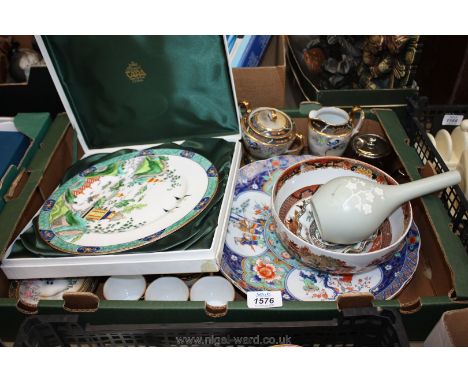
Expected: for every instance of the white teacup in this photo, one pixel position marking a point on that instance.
(215, 290)
(167, 289)
(129, 288)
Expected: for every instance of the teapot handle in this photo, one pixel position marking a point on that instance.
(299, 139)
(362, 116)
(244, 104)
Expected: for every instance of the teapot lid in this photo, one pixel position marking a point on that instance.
(371, 146)
(270, 123)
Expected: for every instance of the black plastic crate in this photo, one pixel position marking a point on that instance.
(354, 327)
(425, 118)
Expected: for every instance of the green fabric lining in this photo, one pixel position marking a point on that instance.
(129, 90)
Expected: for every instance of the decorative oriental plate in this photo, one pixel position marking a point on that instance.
(254, 258)
(128, 201)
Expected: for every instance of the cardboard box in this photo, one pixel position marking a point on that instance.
(451, 330)
(264, 85)
(163, 262)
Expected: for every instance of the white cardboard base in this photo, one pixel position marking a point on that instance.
(191, 261)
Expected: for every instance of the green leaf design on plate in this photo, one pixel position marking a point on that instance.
(100, 203)
(71, 219)
(142, 190)
(77, 237)
(122, 203)
(69, 197)
(151, 166)
(116, 186)
(133, 207)
(111, 169)
(60, 209)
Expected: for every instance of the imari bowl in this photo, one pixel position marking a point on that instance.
(298, 183)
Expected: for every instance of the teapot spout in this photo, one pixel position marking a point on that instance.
(313, 114)
(415, 189)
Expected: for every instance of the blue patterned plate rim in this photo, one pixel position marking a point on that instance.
(108, 199)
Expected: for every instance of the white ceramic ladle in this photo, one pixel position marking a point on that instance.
(350, 209)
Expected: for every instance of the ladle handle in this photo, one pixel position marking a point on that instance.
(412, 190)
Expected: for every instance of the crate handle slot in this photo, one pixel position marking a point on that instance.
(25, 309)
(355, 300)
(79, 302)
(411, 307)
(215, 311)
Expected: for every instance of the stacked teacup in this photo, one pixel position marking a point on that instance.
(453, 148)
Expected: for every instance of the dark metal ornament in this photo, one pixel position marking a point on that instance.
(372, 149)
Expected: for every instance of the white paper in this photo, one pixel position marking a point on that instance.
(264, 299)
(452, 120)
